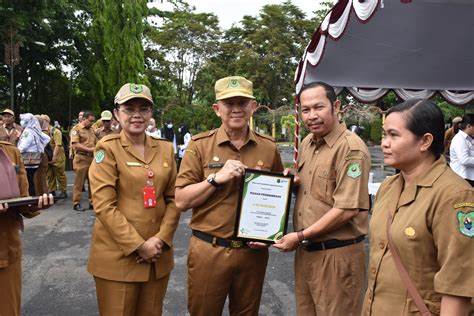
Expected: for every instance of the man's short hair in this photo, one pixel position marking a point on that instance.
(330, 93)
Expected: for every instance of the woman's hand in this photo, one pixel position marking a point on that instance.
(150, 250)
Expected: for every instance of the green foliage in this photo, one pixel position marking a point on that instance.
(117, 51)
(376, 130)
(289, 123)
(449, 111)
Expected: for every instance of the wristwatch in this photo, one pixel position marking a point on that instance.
(212, 180)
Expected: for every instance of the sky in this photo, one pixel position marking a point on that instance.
(232, 11)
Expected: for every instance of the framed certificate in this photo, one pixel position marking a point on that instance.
(264, 206)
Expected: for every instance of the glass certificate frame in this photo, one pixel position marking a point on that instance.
(263, 206)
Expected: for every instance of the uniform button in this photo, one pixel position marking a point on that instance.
(374, 270)
(310, 172)
(381, 245)
(304, 192)
(317, 151)
(146, 167)
(153, 220)
(299, 213)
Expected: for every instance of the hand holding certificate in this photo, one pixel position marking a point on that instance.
(264, 204)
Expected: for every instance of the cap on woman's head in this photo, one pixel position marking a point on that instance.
(131, 91)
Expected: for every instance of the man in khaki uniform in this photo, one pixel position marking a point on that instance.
(330, 217)
(208, 182)
(57, 165)
(79, 120)
(11, 131)
(83, 141)
(106, 129)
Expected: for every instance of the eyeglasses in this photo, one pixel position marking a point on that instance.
(141, 111)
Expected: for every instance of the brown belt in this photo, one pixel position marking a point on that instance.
(329, 244)
(227, 243)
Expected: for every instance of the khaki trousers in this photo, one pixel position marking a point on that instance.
(81, 168)
(330, 282)
(217, 272)
(40, 183)
(10, 289)
(131, 298)
(57, 178)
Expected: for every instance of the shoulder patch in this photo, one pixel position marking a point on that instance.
(353, 157)
(354, 170)
(204, 135)
(74, 132)
(463, 204)
(99, 156)
(465, 223)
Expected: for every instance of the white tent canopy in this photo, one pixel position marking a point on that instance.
(414, 47)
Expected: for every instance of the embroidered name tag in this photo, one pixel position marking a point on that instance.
(215, 165)
(133, 164)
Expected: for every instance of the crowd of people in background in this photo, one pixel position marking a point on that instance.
(45, 147)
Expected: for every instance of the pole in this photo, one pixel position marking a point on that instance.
(12, 67)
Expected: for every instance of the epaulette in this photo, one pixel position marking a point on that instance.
(353, 141)
(6, 143)
(265, 136)
(204, 134)
(159, 138)
(109, 137)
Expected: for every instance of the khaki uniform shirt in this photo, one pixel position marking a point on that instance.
(333, 173)
(100, 133)
(11, 135)
(10, 244)
(432, 221)
(206, 153)
(86, 137)
(57, 140)
(117, 177)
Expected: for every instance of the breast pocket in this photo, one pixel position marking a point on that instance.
(323, 184)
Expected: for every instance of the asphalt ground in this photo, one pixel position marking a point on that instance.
(56, 248)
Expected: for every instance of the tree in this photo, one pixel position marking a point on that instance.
(289, 123)
(116, 34)
(185, 40)
(264, 50)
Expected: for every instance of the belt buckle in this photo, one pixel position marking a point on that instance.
(236, 244)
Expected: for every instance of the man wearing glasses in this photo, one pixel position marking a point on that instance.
(208, 182)
(83, 141)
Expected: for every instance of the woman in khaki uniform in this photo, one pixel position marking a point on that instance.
(14, 184)
(428, 210)
(132, 179)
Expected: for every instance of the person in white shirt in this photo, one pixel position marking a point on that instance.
(462, 150)
(151, 129)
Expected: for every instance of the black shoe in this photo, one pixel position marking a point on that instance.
(53, 193)
(91, 207)
(62, 195)
(78, 207)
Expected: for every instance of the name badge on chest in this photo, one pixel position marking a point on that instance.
(149, 192)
